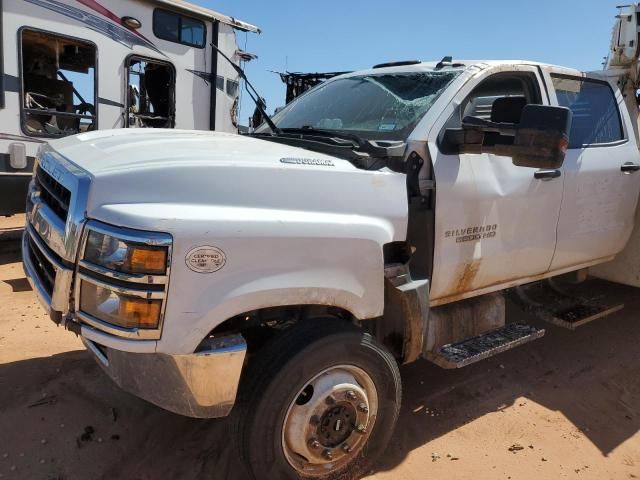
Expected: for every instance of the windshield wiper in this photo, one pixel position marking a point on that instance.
(374, 148)
(330, 145)
(307, 130)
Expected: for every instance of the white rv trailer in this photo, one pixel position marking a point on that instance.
(69, 66)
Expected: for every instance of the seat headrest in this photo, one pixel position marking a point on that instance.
(507, 109)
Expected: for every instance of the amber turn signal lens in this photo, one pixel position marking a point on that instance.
(564, 144)
(150, 260)
(139, 313)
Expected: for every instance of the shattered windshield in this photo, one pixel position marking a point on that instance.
(375, 106)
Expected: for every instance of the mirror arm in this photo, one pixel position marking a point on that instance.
(506, 129)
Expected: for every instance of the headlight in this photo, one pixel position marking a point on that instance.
(119, 309)
(125, 256)
(122, 280)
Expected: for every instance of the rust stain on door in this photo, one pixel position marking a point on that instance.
(463, 282)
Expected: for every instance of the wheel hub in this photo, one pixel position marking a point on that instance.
(336, 425)
(330, 420)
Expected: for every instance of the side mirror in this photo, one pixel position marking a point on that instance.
(540, 140)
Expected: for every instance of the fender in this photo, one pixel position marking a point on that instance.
(273, 257)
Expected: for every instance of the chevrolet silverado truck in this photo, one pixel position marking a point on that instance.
(384, 216)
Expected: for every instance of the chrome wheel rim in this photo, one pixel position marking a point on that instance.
(329, 420)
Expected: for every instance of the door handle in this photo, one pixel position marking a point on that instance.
(629, 167)
(547, 174)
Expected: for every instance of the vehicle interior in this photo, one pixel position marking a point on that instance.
(58, 84)
(501, 99)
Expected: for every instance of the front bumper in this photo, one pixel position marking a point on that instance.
(200, 385)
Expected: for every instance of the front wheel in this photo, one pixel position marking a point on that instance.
(319, 402)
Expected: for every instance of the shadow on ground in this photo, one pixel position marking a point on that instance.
(60, 398)
(18, 284)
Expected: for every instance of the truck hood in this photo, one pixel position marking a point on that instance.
(109, 152)
(152, 178)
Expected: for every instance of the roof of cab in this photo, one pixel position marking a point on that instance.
(457, 64)
(208, 14)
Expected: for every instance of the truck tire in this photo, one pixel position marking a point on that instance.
(320, 401)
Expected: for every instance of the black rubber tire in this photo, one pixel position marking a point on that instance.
(281, 369)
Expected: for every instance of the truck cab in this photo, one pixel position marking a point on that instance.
(385, 219)
(505, 224)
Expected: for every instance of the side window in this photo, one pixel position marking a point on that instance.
(499, 98)
(220, 83)
(58, 84)
(179, 29)
(150, 93)
(596, 119)
(232, 88)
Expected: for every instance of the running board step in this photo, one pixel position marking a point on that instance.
(564, 307)
(474, 349)
(578, 315)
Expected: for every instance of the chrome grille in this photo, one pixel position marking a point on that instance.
(55, 216)
(54, 194)
(44, 269)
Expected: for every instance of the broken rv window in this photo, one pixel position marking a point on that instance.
(150, 94)
(58, 84)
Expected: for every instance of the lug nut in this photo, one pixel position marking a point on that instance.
(351, 395)
(363, 408)
(346, 448)
(315, 444)
(314, 420)
(361, 428)
(327, 454)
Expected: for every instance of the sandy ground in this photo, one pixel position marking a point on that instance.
(570, 401)
(11, 227)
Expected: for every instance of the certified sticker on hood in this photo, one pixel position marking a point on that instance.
(205, 259)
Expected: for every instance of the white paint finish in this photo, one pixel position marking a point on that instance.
(481, 190)
(625, 268)
(599, 200)
(503, 285)
(292, 234)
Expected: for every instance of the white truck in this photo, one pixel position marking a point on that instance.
(381, 218)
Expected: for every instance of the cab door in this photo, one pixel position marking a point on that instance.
(495, 222)
(601, 171)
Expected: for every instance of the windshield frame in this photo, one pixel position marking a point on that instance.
(390, 135)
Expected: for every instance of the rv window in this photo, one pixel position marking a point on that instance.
(232, 87)
(176, 28)
(58, 84)
(151, 94)
(220, 83)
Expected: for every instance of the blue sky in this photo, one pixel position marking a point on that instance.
(341, 35)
